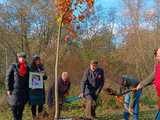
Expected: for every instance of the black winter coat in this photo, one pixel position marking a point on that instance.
(37, 96)
(17, 85)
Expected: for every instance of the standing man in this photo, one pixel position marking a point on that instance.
(17, 79)
(91, 85)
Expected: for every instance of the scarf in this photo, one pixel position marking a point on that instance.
(22, 67)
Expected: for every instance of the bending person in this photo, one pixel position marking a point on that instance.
(127, 89)
(63, 90)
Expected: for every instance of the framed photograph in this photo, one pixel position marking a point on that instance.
(35, 80)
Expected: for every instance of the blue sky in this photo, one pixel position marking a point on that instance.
(109, 3)
(118, 4)
(2, 1)
(104, 5)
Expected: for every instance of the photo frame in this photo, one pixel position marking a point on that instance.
(35, 80)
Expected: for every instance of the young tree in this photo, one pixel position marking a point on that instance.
(65, 17)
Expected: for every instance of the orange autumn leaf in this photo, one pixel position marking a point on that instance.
(119, 99)
(68, 17)
(90, 3)
(81, 1)
(66, 9)
(81, 17)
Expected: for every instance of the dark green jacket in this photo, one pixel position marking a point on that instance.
(17, 85)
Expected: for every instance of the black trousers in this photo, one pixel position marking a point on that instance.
(34, 109)
(17, 111)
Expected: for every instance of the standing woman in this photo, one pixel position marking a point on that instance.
(154, 78)
(17, 79)
(37, 95)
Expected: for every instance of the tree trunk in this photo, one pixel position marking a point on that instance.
(56, 72)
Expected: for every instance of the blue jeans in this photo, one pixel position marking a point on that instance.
(135, 106)
(158, 116)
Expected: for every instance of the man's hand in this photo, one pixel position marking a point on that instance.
(139, 86)
(130, 110)
(81, 95)
(9, 93)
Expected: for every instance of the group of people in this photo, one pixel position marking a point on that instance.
(19, 92)
(17, 85)
(131, 89)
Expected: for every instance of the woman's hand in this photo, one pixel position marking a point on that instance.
(130, 110)
(139, 86)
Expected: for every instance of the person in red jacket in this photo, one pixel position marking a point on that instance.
(154, 78)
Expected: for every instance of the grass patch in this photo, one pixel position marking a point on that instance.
(5, 113)
(107, 110)
(148, 101)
